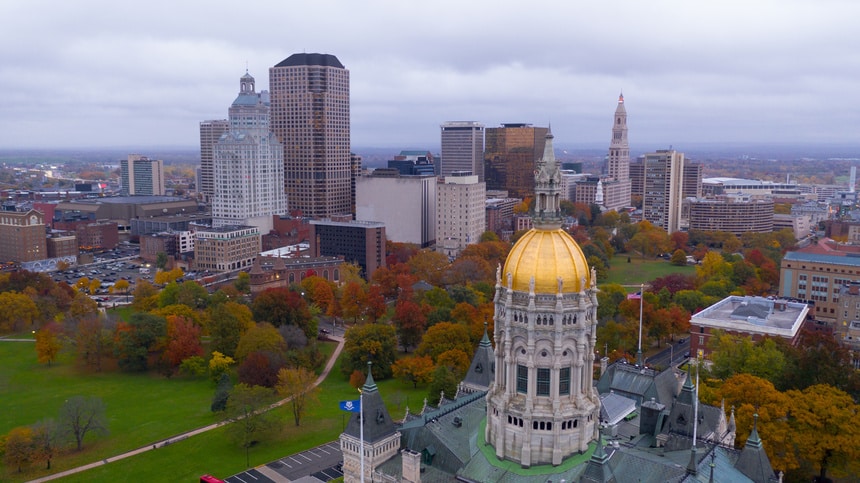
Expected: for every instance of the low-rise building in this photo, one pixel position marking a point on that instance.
(817, 273)
(756, 317)
(226, 248)
(280, 272)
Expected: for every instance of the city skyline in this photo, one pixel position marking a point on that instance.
(145, 75)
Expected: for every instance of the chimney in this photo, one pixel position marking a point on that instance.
(411, 466)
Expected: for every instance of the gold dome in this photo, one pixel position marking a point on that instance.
(547, 255)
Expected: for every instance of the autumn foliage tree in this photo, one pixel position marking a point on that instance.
(48, 344)
(281, 306)
(17, 312)
(297, 385)
(369, 342)
(410, 321)
(415, 369)
(443, 337)
(183, 341)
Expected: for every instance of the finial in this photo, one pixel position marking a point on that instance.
(621, 97)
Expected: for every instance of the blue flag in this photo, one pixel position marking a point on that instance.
(351, 406)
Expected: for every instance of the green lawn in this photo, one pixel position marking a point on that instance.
(147, 408)
(141, 408)
(640, 270)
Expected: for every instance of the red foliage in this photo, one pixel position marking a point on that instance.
(261, 369)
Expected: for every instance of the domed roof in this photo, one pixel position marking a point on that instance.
(547, 255)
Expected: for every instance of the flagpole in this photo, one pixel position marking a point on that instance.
(361, 431)
(639, 352)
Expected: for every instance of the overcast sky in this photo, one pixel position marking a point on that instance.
(140, 74)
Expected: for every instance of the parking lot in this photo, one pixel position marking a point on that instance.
(322, 463)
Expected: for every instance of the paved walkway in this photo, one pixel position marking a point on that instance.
(179, 437)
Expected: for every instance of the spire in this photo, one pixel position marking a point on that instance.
(732, 424)
(369, 383)
(597, 470)
(621, 98)
(753, 461)
(547, 212)
(377, 422)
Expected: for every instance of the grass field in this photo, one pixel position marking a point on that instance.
(640, 270)
(143, 409)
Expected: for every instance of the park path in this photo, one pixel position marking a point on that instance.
(179, 437)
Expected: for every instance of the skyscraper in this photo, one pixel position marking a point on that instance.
(510, 155)
(616, 187)
(210, 132)
(141, 176)
(462, 148)
(663, 174)
(310, 116)
(248, 164)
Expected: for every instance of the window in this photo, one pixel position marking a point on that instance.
(564, 381)
(543, 381)
(522, 379)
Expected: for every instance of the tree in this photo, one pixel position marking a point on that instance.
(442, 337)
(415, 369)
(679, 257)
(369, 342)
(826, 426)
(80, 416)
(352, 300)
(47, 344)
(227, 323)
(282, 306)
(135, 340)
(298, 386)
(246, 410)
(375, 306)
(261, 368)
(222, 393)
(145, 296)
(93, 340)
(19, 448)
(183, 341)
(161, 260)
(410, 321)
(750, 395)
(444, 382)
(243, 282)
(456, 360)
(263, 337)
(17, 312)
(122, 286)
(45, 441)
(429, 265)
(219, 365)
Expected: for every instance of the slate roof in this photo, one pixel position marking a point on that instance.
(482, 370)
(639, 384)
(753, 461)
(325, 60)
(377, 421)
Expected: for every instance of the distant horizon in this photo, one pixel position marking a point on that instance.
(823, 150)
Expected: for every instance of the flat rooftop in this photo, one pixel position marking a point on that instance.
(754, 315)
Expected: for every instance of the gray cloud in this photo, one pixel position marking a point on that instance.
(98, 73)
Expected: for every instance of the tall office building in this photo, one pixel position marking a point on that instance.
(248, 164)
(210, 132)
(510, 155)
(462, 148)
(616, 186)
(310, 116)
(141, 176)
(663, 187)
(460, 212)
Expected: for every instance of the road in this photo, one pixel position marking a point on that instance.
(678, 352)
(194, 432)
